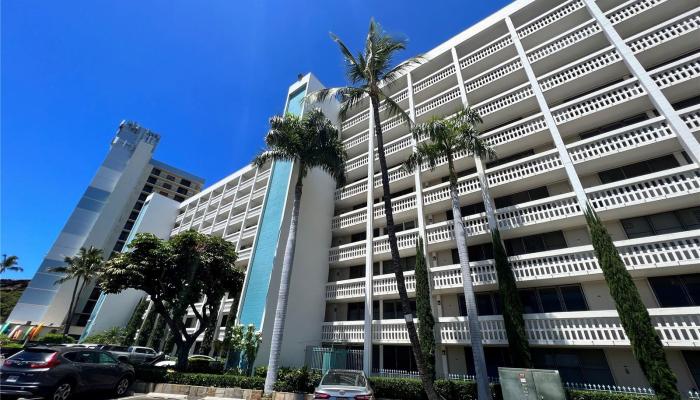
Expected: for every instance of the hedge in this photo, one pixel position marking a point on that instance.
(592, 395)
(239, 381)
(411, 389)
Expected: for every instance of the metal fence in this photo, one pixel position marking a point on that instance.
(609, 388)
(325, 358)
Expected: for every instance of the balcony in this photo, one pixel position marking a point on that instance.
(532, 171)
(437, 197)
(522, 134)
(691, 117)
(496, 80)
(488, 55)
(677, 328)
(552, 23)
(441, 104)
(516, 102)
(434, 83)
(352, 221)
(538, 216)
(382, 285)
(679, 34)
(567, 47)
(636, 15)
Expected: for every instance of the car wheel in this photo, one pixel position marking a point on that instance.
(63, 391)
(122, 386)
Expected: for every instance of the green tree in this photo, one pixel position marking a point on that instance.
(370, 73)
(177, 274)
(646, 345)
(9, 263)
(113, 335)
(445, 137)
(309, 142)
(85, 266)
(134, 322)
(245, 340)
(426, 326)
(518, 344)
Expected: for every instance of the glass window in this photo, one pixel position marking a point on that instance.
(574, 365)
(182, 190)
(356, 311)
(167, 186)
(573, 298)
(151, 179)
(550, 300)
(529, 300)
(357, 271)
(104, 358)
(179, 198)
(148, 188)
(676, 291)
(665, 223)
(638, 169)
(155, 171)
(689, 218)
(637, 227)
(185, 182)
(484, 304)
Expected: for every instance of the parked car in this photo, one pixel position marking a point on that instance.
(132, 354)
(173, 362)
(344, 384)
(58, 372)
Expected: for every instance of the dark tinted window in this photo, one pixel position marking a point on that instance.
(185, 182)
(505, 160)
(155, 171)
(182, 190)
(521, 197)
(392, 309)
(151, 179)
(657, 224)
(179, 198)
(638, 169)
(469, 209)
(105, 358)
(677, 291)
(574, 365)
(535, 243)
(32, 355)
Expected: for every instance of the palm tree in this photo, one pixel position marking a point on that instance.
(10, 264)
(309, 141)
(85, 265)
(370, 73)
(445, 137)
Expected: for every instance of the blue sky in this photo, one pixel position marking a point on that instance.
(206, 75)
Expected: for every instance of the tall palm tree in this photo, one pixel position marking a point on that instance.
(445, 138)
(9, 263)
(83, 266)
(310, 141)
(370, 73)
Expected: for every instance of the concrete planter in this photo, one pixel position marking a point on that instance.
(199, 392)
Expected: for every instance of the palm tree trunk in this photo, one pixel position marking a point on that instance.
(282, 297)
(425, 377)
(66, 327)
(482, 380)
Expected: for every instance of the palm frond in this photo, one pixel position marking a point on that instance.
(389, 77)
(431, 154)
(394, 109)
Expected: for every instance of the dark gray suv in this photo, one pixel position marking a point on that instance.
(58, 372)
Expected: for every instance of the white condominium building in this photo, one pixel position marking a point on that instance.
(584, 101)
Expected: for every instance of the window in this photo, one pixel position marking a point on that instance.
(123, 235)
(535, 243)
(148, 188)
(486, 304)
(356, 237)
(167, 186)
(615, 125)
(406, 263)
(224, 319)
(151, 179)
(155, 171)
(692, 358)
(495, 357)
(469, 209)
(478, 252)
(392, 309)
(133, 215)
(553, 299)
(105, 358)
(185, 182)
(638, 169)
(574, 365)
(143, 351)
(521, 197)
(170, 178)
(460, 174)
(179, 198)
(359, 206)
(405, 226)
(677, 291)
(356, 311)
(182, 190)
(657, 224)
(142, 196)
(357, 271)
(399, 357)
(164, 193)
(505, 160)
(684, 104)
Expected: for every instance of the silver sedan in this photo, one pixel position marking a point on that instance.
(342, 384)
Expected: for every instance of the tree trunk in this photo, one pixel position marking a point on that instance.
(396, 257)
(183, 353)
(482, 380)
(282, 297)
(70, 308)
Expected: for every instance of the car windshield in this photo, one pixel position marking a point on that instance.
(118, 348)
(32, 355)
(338, 378)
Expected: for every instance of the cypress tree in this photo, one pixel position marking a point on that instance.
(518, 344)
(426, 322)
(635, 319)
(146, 328)
(134, 323)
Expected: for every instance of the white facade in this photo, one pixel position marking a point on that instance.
(583, 101)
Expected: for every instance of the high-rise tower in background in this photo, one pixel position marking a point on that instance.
(103, 218)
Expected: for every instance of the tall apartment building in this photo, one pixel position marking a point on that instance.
(103, 218)
(584, 101)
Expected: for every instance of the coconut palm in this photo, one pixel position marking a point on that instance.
(445, 138)
(370, 74)
(83, 266)
(9, 263)
(310, 141)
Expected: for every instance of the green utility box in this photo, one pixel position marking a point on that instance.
(531, 384)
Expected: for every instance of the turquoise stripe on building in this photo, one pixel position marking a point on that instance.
(266, 244)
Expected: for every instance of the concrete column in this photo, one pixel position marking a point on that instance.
(233, 202)
(247, 206)
(369, 248)
(483, 182)
(547, 114)
(660, 102)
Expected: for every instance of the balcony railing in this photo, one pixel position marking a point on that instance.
(538, 211)
(485, 51)
(524, 168)
(677, 327)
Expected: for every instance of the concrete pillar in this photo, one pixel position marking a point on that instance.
(369, 248)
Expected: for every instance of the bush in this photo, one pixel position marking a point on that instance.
(148, 373)
(243, 382)
(591, 395)
(296, 380)
(411, 389)
(260, 371)
(56, 338)
(205, 366)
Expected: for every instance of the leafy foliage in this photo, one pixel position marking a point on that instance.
(297, 380)
(205, 366)
(56, 338)
(512, 306)
(7, 343)
(592, 395)
(9, 263)
(10, 292)
(426, 328)
(176, 274)
(226, 380)
(134, 323)
(635, 319)
(113, 335)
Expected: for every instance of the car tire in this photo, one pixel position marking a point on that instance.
(62, 391)
(122, 386)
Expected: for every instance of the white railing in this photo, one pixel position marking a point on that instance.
(668, 184)
(442, 231)
(524, 168)
(349, 123)
(550, 17)
(681, 25)
(579, 69)
(355, 163)
(630, 137)
(406, 239)
(515, 131)
(395, 174)
(434, 78)
(513, 96)
(627, 11)
(609, 388)
(691, 117)
(350, 190)
(485, 51)
(678, 72)
(381, 285)
(437, 193)
(563, 41)
(437, 100)
(397, 145)
(245, 253)
(399, 204)
(538, 211)
(392, 123)
(495, 73)
(600, 100)
(356, 140)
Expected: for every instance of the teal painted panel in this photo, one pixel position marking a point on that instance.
(296, 102)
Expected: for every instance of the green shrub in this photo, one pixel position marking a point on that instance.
(56, 338)
(411, 389)
(592, 395)
(243, 382)
(260, 371)
(205, 366)
(148, 373)
(296, 380)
